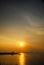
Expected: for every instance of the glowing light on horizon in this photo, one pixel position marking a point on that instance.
(21, 43)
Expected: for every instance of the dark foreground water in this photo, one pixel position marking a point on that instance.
(22, 59)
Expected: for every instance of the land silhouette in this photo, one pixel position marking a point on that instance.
(12, 53)
(8, 53)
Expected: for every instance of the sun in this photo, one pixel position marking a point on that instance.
(21, 43)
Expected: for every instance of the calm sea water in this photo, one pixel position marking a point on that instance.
(22, 59)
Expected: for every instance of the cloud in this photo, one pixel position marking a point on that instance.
(40, 32)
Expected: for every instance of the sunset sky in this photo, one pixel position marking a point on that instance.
(21, 21)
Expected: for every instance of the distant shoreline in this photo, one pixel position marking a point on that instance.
(8, 53)
(14, 53)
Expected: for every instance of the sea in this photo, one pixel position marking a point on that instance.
(22, 59)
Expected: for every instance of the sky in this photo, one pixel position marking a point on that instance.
(21, 20)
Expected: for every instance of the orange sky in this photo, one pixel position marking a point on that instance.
(22, 21)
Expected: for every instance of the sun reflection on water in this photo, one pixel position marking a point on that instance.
(22, 59)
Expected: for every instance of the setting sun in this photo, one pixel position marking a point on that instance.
(21, 43)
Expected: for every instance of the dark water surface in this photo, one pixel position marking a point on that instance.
(22, 59)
